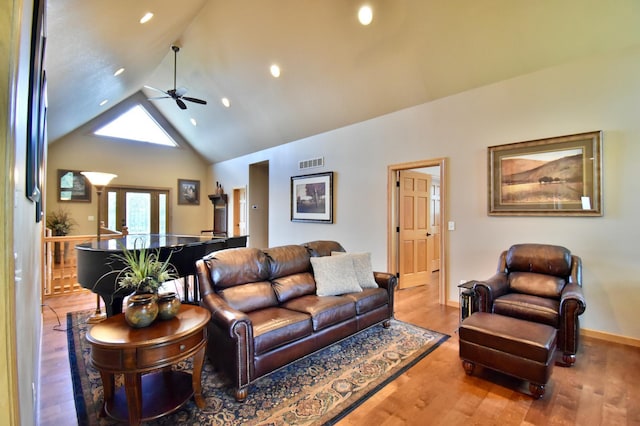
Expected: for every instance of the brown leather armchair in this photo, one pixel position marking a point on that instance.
(539, 283)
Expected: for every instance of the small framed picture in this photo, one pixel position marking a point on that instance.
(73, 186)
(312, 198)
(189, 192)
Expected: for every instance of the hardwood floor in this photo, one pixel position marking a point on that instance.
(603, 388)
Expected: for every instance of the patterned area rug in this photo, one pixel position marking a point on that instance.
(316, 390)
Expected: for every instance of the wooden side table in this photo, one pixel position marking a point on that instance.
(145, 356)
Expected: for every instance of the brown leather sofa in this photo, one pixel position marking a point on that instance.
(265, 312)
(539, 283)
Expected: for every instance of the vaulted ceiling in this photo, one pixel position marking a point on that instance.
(335, 72)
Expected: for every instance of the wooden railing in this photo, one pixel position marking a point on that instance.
(59, 267)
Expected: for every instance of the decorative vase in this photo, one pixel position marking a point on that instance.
(142, 310)
(168, 305)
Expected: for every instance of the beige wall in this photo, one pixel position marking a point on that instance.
(599, 93)
(20, 321)
(138, 164)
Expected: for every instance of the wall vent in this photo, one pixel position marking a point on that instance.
(312, 163)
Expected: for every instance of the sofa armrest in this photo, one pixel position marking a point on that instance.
(385, 280)
(389, 283)
(572, 299)
(225, 317)
(487, 291)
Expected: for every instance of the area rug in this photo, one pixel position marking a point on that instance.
(319, 389)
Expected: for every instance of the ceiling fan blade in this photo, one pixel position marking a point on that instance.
(157, 90)
(181, 104)
(155, 98)
(196, 100)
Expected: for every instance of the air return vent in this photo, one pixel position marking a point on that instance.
(312, 163)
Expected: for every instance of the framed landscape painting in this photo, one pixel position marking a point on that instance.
(312, 198)
(560, 176)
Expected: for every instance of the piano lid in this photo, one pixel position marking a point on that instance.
(147, 241)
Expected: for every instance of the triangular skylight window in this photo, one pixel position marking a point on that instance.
(136, 124)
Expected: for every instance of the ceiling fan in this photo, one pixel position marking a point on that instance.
(176, 94)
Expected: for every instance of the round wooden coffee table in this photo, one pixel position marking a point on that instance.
(145, 356)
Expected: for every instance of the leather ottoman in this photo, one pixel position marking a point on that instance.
(512, 346)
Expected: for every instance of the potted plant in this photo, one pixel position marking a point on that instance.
(145, 273)
(61, 223)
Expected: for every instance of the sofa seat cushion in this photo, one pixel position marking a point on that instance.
(528, 307)
(274, 327)
(369, 299)
(324, 310)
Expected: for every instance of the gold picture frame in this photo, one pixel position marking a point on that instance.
(559, 176)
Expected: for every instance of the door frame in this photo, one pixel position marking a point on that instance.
(392, 219)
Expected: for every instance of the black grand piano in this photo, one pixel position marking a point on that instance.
(96, 263)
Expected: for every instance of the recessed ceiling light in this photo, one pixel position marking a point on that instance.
(104, 102)
(275, 70)
(365, 15)
(146, 18)
(118, 72)
(193, 121)
(225, 102)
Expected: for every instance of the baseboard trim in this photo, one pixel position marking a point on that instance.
(610, 337)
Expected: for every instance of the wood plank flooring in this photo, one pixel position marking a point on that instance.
(603, 388)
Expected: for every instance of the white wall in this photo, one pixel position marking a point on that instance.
(20, 320)
(600, 93)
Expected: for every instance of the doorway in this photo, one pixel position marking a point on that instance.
(142, 210)
(258, 205)
(436, 261)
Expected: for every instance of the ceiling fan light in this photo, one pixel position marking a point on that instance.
(226, 102)
(146, 18)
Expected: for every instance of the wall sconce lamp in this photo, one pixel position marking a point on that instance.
(99, 180)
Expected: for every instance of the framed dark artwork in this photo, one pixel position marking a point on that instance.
(37, 111)
(189, 192)
(560, 176)
(73, 186)
(312, 198)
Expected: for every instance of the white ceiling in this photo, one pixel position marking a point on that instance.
(335, 71)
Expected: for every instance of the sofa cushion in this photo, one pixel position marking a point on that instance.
(321, 248)
(324, 311)
(362, 266)
(527, 307)
(274, 327)
(540, 258)
(250, 297)
(287, 260)
(334, 275)
(369, 299)
(292, 286)
(536, 284)
(236, 266)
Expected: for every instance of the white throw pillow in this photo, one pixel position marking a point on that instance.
(334, 275)
(362, 266)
